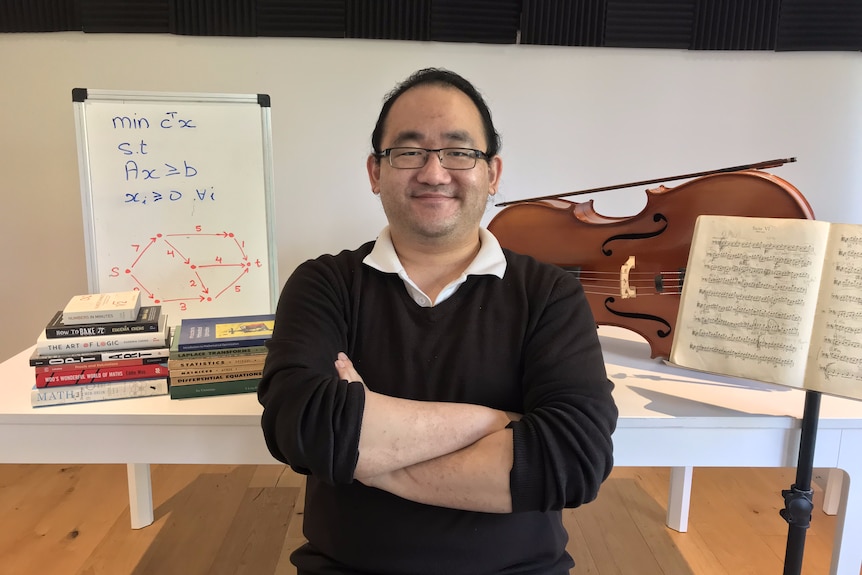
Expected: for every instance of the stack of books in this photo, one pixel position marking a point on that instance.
(101, 347)
(218, 356)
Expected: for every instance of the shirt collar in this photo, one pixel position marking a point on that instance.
(489, 261)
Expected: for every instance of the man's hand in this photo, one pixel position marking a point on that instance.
(345, 368)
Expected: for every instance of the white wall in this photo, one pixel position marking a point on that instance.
(571, 118)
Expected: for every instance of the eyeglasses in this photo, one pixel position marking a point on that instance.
(450, 158)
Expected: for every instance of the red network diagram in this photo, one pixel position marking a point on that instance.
(187, 268)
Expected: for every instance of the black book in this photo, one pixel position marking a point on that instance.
(147, 321)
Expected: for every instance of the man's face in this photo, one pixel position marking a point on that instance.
(433, 203)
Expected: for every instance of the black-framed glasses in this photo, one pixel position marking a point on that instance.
(408, 158)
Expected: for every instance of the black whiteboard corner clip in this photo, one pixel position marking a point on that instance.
(263, 100)
(79, 94)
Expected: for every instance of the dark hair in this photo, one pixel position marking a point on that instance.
(444, 78)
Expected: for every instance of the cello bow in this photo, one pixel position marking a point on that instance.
(755, 166)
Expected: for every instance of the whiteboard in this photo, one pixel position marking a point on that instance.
(176, 198)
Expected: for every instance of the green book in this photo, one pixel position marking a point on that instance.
(215, 388)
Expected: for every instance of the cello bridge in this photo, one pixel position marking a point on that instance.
(626, 291)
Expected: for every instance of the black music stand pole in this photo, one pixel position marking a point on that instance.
(798, 502)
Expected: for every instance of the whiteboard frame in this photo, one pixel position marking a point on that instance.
(80, 96)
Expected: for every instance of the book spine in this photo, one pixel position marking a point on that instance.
(88, 375)
(217, 388)
(213, 345)
(79, 345)
(220, 369)
(216, 362)
(77, 366)
(192, 379)
(102, 307)
(98, 392)
(153, 355)
(108, 315)
(227, 352)
(62, 331)
(119, 328)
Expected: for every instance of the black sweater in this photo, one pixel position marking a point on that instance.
(525, 343)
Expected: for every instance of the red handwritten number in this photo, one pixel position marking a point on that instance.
(198, 228)
(236, 288)
(218, 259)
(192, 283)
(182, 306)
(115, 271)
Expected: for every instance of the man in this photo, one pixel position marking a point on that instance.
(446, 398)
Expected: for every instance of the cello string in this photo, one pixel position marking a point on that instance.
(635, 273)
(616, 292)
(632, 282)
(607, 283)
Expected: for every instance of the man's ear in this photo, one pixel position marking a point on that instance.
(373, 167)
(495, 170)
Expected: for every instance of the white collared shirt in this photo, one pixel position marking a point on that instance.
(489, 261)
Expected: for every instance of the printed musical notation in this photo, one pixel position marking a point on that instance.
(837, 352)
(774, 300)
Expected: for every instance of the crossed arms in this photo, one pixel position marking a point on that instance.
(400, 432)
(453, 455)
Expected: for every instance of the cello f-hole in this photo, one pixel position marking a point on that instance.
(661, 333)
(658, 217)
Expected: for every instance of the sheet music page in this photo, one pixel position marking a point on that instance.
(835, 356)
(749, 297)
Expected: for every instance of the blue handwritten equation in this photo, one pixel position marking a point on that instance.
(142, 170)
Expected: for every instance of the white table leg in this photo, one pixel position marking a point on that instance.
(679, 498)
(140, 494)
(846, 551)
(832, 493)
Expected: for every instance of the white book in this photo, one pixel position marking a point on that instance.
(99, 343)
(102, 307)
(40, 397)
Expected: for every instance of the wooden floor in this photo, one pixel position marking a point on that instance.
(74, 520)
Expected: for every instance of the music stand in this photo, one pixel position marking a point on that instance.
(798, 502)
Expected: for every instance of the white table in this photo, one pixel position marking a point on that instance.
(669, 417)
(678, 418)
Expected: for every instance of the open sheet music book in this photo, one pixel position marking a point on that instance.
(774, 300)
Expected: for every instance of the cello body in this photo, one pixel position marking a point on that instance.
(632, 268)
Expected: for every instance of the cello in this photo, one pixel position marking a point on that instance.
(632, 268)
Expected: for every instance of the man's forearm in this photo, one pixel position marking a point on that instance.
(397, 433)
(475, 478)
